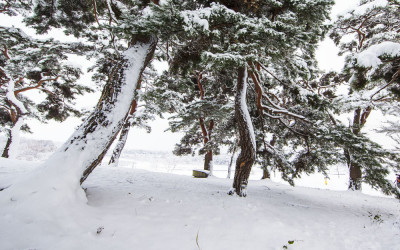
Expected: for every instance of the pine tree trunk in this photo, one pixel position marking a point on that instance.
(266, 174)
(355, 177)
(247, 143)
(93, 138)
(7, 147)
(208, 160)
(355, 173)
(124, 134)
(121, 142)
(231, 161)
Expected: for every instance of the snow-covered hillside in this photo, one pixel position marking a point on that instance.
(131, 208)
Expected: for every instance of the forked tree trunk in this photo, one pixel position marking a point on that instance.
(93, 138)
(247, 142)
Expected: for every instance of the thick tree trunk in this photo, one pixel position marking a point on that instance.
(247, 142)
(94, 137)
(355, 173)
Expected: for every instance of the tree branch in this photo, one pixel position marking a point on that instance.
(391, 81)
(16, 92)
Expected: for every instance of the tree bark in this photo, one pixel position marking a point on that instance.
(7, 147)
(266, 174)
(93, 138)
(123, 135)
(208, 158)
(355, 173)
(231, 161)
(121, 142)
(247, 143)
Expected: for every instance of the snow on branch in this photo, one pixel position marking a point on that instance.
(370, 56)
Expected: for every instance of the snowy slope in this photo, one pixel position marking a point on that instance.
(137, 209)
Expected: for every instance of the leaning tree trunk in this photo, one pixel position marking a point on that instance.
(123, 136)
(355, 173)
(93, 138)
(247, 140)
(5, 153)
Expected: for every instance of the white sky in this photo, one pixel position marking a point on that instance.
(158, 139)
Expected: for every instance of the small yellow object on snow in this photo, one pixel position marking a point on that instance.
(326, 181)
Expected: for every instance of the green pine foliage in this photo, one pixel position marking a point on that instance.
(40, 65)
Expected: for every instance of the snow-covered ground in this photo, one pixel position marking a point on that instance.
(152, 202)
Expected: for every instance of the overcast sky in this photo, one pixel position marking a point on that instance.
(158, 139)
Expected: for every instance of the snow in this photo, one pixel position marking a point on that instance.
(196, 18)
(52, 191)
(131, 208)
(362, 9)
(11, 97)
(245, 111)
(370, 56)
(15, 135)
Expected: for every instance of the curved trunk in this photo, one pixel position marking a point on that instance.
(247, 142)
(107, 120)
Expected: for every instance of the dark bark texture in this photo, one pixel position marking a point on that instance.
(247, 154)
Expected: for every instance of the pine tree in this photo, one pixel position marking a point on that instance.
(29, 64)
(240, 36)
(372, 65)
